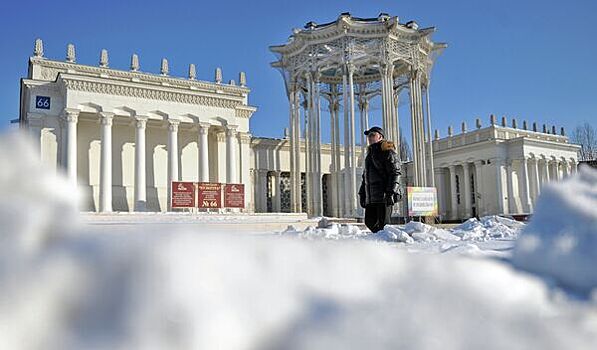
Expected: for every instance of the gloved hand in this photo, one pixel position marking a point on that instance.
(362, 200)
(390, 199)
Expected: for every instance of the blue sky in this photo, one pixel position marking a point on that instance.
(534, 60)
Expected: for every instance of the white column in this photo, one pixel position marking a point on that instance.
(276, 200)
(510, 188)
(479, 190)
(71, 117)
(467, 190)
(202, 143)
(556, 170)
(344, 173)
(429, 138)
(140, 167)
(499, 173)
(105, 198)
(453, 194)
(573, 167)
(546, 173)
(565, 169)
(414, 128)
(441, 192)
(352, 154)
(536, 177)
(172, 156)
(35, 124)
(523, 186)
(231, 161)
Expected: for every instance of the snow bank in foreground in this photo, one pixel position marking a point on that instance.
(157, 287)
(488, 227)
(561, 239)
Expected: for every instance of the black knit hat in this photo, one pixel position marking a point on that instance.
(376, 129)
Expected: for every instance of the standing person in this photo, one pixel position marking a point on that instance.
(380, 187)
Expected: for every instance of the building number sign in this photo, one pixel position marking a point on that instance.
(42, 102)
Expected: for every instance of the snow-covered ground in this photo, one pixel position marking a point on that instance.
(68, 285)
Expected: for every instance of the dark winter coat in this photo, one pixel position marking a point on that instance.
(381, 175)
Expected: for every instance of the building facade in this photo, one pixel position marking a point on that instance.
(124, 135)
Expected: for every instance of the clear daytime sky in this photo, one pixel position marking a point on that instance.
(534, 60)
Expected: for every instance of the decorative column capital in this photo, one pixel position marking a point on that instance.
(140, 122)
(203, 128)
(106, 118)
(231, 130)
(173, 124)
(478, 163)
(70, 115)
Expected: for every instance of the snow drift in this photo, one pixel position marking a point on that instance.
(561, 240)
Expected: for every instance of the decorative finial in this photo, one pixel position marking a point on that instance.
(492, 120)
(463, 127)
(164, 70)
(450, 131)
(134, 62)
(478, 123)
(104, 58)
(39, 48)
(504, 122)
(553, 130)
(192, 72)
(524, 125)
(535, 126)
(218, 75)
(562, 131)
(242, 79)
(436, 134)
(70, 53)
(544, 129)
(514, 123)
(232, 82)
(286, 133)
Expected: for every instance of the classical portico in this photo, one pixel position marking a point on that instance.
(123, 136)
(346, 63)
(498, 169)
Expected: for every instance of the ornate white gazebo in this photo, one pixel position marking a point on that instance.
(352, 60)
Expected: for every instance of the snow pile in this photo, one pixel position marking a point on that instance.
(424, 233)
(36, 204)
(561, 239)
(488, 227)
(159, 287)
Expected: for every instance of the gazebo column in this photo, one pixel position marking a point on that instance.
(467, 190)
(71, 117)
(363, 109)
(414, 128)
(316, 141)
(172, 156)
(105, 188)
(231, 159)
(295, 170)
(344, 174)
(140, 165)
(453, 194)
(335, 188)
(565, 169)
(203, 144)
(352, 149)
(308, 147)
